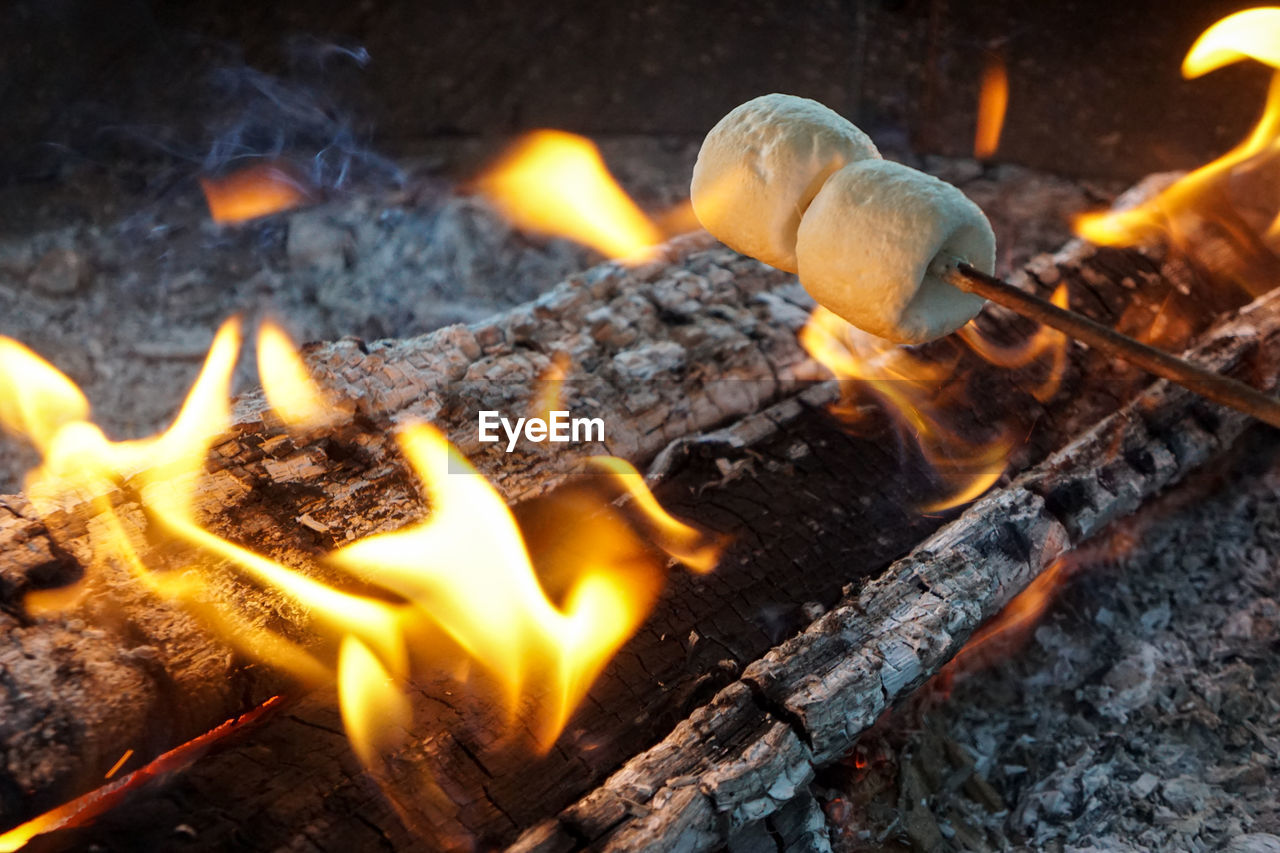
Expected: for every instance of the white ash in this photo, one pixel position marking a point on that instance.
(1144, 714)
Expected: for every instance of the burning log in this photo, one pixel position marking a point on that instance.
(135, 673)
(751, 741)
(804, 703)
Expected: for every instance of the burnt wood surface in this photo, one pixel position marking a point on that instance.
(811, 508)
(744, 754)
(696, 338)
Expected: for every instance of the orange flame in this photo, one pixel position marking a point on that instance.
(81, 810)
(1017, 617)
(557, 183)
(916, 392)
(993, 100)
(1045, 341)
(1203, 197)
(252, 192)
(462, 582)
(909, 387)
(1000, 636)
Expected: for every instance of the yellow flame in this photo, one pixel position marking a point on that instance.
(688, 545)
(556, 183)
(993, 100)
(1250, 34)
(375, 712)
(1201, 196)
(287, 385)
(35, 398)
(467, 568)
(460, 582)
(919, 392)
(252, 192)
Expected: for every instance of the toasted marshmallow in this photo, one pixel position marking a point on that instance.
(760, 167)
(874, 242)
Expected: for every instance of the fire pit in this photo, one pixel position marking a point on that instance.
(666, 557)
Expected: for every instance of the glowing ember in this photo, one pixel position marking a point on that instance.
(1201, 201)
(556, 183)
(81, 810)
(993, 99)
(253, 192)
(115, 768)
(1016, 618)
(457, 587)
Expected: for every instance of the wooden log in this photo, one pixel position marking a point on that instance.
(664, 673)
(740, 759)
(783, 480)
(709, 329)
(824, 687)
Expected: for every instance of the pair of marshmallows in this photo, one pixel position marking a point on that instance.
(792, 183)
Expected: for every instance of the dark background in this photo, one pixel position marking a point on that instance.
(1095, 87)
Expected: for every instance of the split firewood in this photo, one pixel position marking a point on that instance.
(812, 508)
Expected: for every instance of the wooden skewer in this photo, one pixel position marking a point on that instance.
(1212, 386)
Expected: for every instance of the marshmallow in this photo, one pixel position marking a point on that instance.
(872, 245)
(761, 165)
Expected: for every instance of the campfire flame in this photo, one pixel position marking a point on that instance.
(299, 402)
(993, 100)
(557, 183)
(252, 193)
(459, 587)
(1200, 204)
(919, 392)
(83, 809)
(1015, 620)
(1046, 342)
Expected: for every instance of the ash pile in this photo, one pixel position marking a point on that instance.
(1141, 713)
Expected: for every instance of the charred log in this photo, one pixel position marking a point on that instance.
(795, 549)
(130, 672)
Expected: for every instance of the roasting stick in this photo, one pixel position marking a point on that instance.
(1212, 386)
